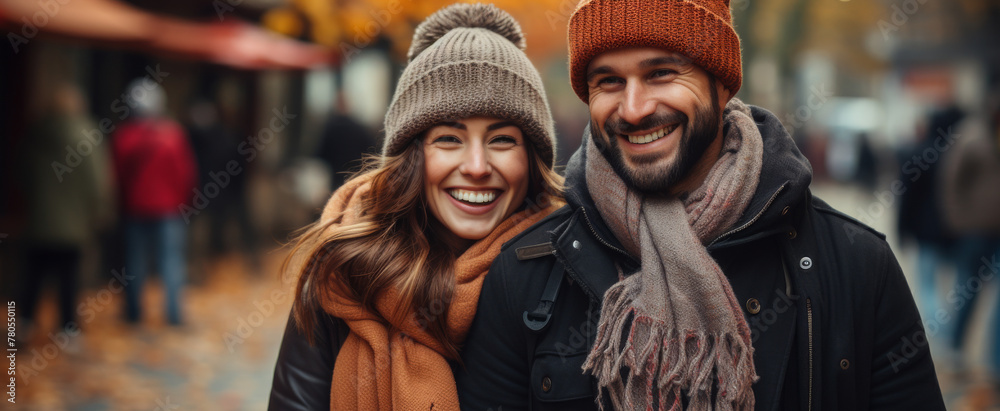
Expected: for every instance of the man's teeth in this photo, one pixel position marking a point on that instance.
(651, 137)
(482, 197)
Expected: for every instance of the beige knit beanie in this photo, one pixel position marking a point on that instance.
(467, 60)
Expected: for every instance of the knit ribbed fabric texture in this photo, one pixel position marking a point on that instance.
(702, 30)
(475, 68)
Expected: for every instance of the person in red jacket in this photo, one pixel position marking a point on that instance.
(156, 173)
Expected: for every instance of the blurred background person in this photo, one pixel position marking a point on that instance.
(867, 172)
(971, 202)
(920, 216)
(67, 175)
(156, 171)
(226, 218)
(344, 141)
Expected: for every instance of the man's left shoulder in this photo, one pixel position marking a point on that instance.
(852, 254)
(840, 227)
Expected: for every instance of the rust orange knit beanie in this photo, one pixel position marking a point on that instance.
(702, 30)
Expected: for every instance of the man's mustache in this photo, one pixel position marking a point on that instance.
(655, 121)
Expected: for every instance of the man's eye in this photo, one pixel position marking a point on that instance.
(662, 73)
(610, 81)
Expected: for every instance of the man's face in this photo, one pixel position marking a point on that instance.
(655, 112)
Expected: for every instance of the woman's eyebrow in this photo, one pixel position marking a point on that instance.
(453, 124)
(500, 124)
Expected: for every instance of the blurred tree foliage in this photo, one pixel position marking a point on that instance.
(351, 25)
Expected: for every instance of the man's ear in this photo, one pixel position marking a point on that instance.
(724, 95)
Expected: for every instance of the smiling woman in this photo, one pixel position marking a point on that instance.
(392, 271)
(476, 175)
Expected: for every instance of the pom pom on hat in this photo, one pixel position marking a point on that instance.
(486, 16)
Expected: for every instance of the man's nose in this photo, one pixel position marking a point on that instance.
(637, 104)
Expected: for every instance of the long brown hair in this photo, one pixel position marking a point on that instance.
(394, 245)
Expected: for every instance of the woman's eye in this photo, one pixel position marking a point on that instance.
(504, 140)
(447, 140)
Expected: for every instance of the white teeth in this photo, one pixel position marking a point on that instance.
(651, 137)
(479, 197)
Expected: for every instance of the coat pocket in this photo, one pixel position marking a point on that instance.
(560, 377)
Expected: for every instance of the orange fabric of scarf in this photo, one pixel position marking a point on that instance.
(401, 366)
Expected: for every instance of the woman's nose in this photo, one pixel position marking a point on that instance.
(475, 163)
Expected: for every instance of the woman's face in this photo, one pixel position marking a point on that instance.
(476, 174)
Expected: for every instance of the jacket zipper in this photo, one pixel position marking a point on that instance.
(755, 218)
(809, 321)
(598, 237)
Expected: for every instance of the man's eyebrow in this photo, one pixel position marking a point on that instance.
(453, 124)
(500, 124)
(598, 71)
(645, 64)
(659, 61)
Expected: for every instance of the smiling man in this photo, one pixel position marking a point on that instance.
(664, 121)
(692, 267)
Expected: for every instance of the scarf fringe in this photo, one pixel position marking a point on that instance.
(664, 364)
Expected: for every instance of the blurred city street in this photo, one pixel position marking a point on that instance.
(222, 358)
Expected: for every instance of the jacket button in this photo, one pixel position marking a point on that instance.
(577, 245)
(785, 210)
(806, 263)
(792, 234)
(546, 384)
(844, 364)
(753, 306)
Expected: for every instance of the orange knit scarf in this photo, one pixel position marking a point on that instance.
(401, 366)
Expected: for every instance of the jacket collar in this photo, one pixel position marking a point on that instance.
(784, 182)
(578, 197)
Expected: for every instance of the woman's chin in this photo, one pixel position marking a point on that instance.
(473, 230)
(473, 235)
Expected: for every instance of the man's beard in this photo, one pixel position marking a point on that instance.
(697, 137)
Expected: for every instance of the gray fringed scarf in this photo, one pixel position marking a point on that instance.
(685, 330)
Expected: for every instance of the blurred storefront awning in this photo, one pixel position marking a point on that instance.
(111, 23)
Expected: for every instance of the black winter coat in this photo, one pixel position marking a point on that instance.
(834, 325)
(303, 374)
